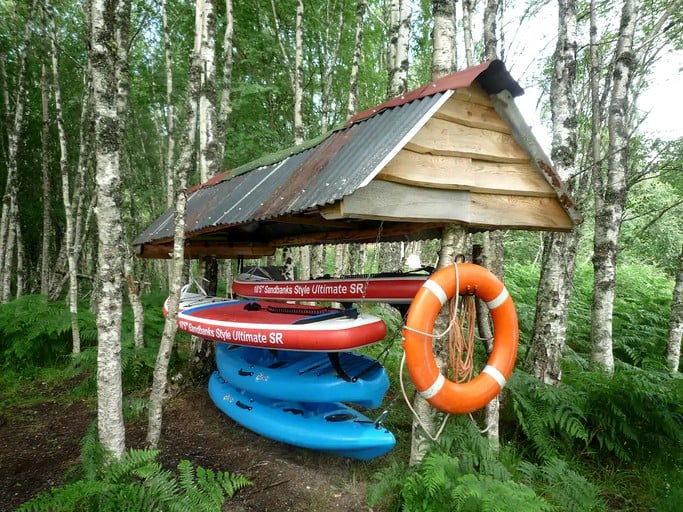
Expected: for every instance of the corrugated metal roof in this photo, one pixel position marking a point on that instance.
(344, 161)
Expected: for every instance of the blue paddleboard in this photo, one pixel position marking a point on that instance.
(329, 427)
(303, 376)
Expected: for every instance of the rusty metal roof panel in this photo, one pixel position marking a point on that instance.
(343, 162)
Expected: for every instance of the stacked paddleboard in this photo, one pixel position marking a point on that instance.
(288, 371)
(298, 398)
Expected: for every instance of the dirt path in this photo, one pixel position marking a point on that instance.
(38, 444)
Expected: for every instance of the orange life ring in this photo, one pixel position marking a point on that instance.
(440, 392)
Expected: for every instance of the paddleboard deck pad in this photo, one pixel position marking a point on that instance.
(392, 288)
(276, 325)
(329, 427)
(304, 376)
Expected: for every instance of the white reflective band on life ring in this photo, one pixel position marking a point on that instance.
(436, 289)
(495, 374)
(434, 388)
(502, 297)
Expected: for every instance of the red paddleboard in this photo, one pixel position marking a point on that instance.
(393, 289)
(274, 325)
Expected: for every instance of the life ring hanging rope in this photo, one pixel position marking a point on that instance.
(440, 392)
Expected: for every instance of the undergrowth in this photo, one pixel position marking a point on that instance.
(136, 481)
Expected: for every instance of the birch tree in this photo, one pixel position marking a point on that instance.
(8, 217)
(610, 202)
(399, 46)
(69, 235)
(45, 266)
(443, 38)
(183, 168)
(559, 249)
(104, 58)
(454, 243)
(352, 103)
(673, 346)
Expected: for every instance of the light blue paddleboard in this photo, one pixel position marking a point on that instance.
(328, 427)
(303, 376)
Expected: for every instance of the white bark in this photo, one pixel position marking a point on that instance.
(673, 346)
(330, 65)
(611, 202)
(467, 10)
(443, 38)
(103, 56)
(454, 242)
(299, 74)
(45, 265)
(170, 107)
(352, 105)
(8, 216)
(490, 37)
(399, 47)
(183, 170)
(205, 46)
(226, 85)
(559, 251)
(69, 238)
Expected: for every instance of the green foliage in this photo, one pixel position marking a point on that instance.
(562, 486)
(633, 415)
(551, 418)
(137, 482)
(36, 332)
(440, 484)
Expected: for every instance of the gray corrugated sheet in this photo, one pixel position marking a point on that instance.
(317, 176)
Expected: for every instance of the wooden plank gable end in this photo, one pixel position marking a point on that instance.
(463, 173)
(472, 114)
(440, 137)
(388, 201)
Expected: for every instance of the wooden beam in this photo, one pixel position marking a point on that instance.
(461, 173)
(196, 249)
(391, 202)
(439, 137)
(496, 211)
(472, 114)
(406, 230)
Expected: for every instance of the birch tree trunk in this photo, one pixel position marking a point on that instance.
(183, 170)
(673, 346)
(170, 107)
(352, 105)
(226, 85)
(444, 56)
(559, 249)
(331, 58)
(610, 203)
(299, 74)
(45, 266)
(467, 9)
(8, 216)
(453, 243)
(490, 35)
(205, 47)
(104, 57)
(399, 47)
(69, 238)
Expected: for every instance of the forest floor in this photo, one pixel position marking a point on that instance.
(40, 443)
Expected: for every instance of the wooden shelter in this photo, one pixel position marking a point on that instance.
(455, 150)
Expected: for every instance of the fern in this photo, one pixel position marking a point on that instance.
(552, 418)
(137, 482)
(562, 486)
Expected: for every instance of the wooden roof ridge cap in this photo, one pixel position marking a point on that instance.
(492, 75)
